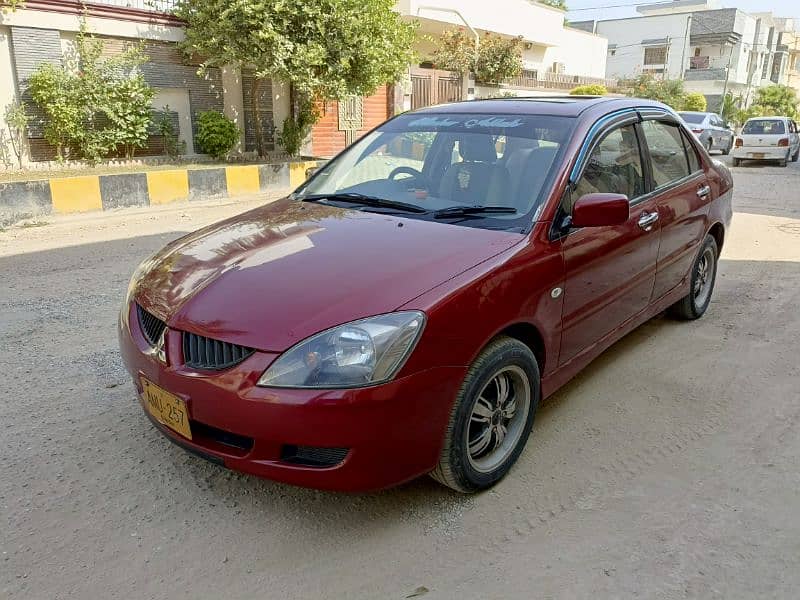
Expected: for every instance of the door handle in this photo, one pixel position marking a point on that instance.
(703, 191)
(647, 220)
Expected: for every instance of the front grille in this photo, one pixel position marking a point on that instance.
(200, 352)
(152, 326)
(313, 456)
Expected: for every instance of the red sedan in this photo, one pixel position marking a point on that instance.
(405, 310)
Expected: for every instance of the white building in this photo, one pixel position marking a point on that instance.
(555, 56)
(714, 50)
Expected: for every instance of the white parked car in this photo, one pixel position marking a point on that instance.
(767, 138)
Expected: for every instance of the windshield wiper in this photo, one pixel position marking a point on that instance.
(356, 198)
(460, 211)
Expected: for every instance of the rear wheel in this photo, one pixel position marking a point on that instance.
(796, 155)
(704, 273)
(492, 417)
(784, 161)
(737, 162)
(709, 144)
(727, 149)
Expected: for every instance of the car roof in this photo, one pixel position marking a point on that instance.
(568, 106)
(768, 119)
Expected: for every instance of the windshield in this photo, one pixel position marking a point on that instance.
(693, 117)
(764, 127)
(437, 161)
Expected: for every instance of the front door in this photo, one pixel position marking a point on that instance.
(610, 271)
(682, 193)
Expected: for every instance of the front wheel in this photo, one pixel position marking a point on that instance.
(704, 273)
(492, 417)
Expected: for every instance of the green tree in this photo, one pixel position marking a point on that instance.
(455, 51)
(694, 101)
(17, 120)
(776, 100)
(731, 106)
(498, 58)
(58, 94)
(668, 91)
(592, 89)
(326, 49)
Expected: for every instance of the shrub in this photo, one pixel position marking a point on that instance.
(694, 101)
(592, 89)
(216, 133)
(295, 129)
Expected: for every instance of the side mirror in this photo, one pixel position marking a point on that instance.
(601, 210)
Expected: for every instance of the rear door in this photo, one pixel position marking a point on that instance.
(609, 270)
(682, 195)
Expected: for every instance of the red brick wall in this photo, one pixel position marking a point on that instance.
(327, 140)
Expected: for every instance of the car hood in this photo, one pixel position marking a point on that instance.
(275, 275)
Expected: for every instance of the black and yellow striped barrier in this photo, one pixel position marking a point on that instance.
(85, 193)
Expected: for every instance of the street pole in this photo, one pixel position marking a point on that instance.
(725, 85)
(685, 44)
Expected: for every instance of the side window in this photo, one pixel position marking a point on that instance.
(691, 153)
(667, 154)
(614, 166)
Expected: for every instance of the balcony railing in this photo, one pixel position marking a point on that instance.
(704, 74)
(163, 6)
(532, 79)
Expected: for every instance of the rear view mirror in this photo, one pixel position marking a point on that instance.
(600, 210)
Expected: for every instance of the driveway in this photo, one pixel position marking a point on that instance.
(668, 469)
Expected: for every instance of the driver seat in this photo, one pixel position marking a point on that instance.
(478, 179)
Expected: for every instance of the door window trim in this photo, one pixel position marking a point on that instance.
(656, 190)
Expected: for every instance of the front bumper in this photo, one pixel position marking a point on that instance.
(761, 153)
(389, 433)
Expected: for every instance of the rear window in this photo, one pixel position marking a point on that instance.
(692, 117)
(764, 127)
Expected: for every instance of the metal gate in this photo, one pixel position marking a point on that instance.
(431, 86)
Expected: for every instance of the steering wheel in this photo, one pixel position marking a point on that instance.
(408, 170)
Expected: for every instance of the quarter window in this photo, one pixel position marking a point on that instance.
(614, 166)
(667, 154)
(691, 154)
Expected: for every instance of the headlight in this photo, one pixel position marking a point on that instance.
(356, 354)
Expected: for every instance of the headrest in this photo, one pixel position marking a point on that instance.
(476, 147)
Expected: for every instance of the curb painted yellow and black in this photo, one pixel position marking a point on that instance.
(65, 195)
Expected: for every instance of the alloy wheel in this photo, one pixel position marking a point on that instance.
(498, 418)
(704, 276)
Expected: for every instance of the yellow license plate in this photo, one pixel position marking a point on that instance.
(166, 408)
(758, 155)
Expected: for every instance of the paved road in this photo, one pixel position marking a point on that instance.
(668, 469)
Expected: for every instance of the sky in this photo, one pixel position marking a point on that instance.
(579, 9)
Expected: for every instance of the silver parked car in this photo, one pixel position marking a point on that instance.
(710, 129)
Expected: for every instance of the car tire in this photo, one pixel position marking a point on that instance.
(796, 155)
(703, 275)
(783, 162)
(479, 415)
(727, 149)
(737, 162)
(709, 145)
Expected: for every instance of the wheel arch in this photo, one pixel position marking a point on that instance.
(528, 334)
(717, 231)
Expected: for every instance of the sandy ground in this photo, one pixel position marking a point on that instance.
(668, 469)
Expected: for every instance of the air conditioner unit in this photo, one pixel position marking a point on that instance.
(558, 68)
